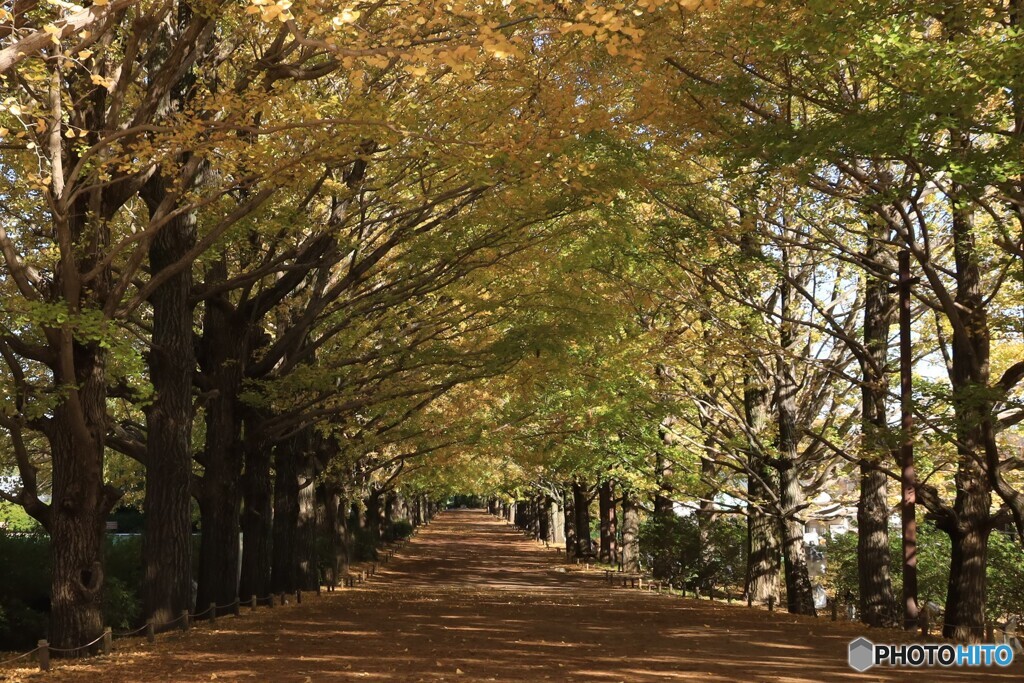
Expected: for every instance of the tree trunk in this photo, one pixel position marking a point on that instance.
(581, 508)
(877, 603)
(609, 531)
(664, 516)
(970, 524)
(543, 519)
(307, 559)
(219, 503)
(630, 534)
(81, 503)
(288, 464)
(257, 517)
(557, 521)
(762, 524)
(570, 522)
(222, 355)
(167, 526)
(799, 596)
(332, 530)
(374, 512)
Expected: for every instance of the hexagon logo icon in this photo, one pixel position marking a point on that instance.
(862, 654)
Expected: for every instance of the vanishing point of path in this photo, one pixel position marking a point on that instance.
(472, 600)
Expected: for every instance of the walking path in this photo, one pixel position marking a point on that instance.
(472, 600)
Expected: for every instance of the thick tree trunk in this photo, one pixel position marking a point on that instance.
(609, 530)
(763, 557)
(288, 464)
(374, 514)
(877, 603)
(257, 519)
(581, 508)
(630, 534)
(557, 521)
(570, 522)
(799, 596)
(219, 503)
(307, 559)
(965, 595)
(543, 519)
(332, 529)
(970, 523)
(222, 355)
(81, 503)
(167, 527)
(664, 516)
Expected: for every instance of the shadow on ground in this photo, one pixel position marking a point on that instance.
(472, 600)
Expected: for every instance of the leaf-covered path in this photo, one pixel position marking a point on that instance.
(471, 600)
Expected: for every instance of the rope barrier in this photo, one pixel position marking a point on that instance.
(66, 650)
(128, 634)
(22, 656)
(237, 601)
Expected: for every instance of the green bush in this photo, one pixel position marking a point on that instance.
(400, 529)
(25, 586)
(676, 540)
(1005, 568)
(1005, 576)
(24, 589)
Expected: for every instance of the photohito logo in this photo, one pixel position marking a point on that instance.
(864, 654)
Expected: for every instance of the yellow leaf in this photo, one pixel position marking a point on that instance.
(85, 54)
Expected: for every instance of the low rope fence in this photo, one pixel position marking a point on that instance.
(183, 621)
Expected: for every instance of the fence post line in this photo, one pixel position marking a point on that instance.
(150, 631)
(213, 612)
(771, 603)
(44, 655)
(298, 596)
(252, 601)
(184, 620)
(835, 609)
(108, 637)
(238, 607)
(282, 598)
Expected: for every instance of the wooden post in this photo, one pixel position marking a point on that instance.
(298, 596)
(184, 620)
(270, 600)
(108, 637)
(771, 603)
(150, 632)
(252, 601)
(237, 611)
(923, 619)
(283, 602)
(213, 612)
(44, 655)
(750, 600)
(990, 632)
(835, 609)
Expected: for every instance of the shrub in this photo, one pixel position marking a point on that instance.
(1005, 569)
(676, 540)
(400, 529)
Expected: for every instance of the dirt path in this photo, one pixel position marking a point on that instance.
(470, 600)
